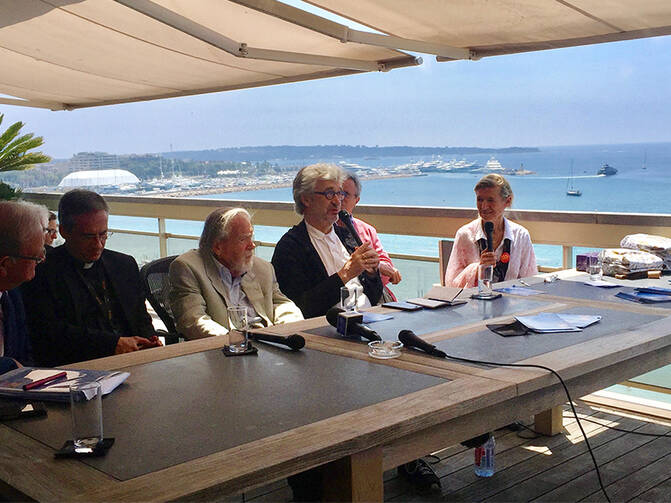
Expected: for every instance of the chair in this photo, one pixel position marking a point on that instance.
(157, 287)
(444, 251)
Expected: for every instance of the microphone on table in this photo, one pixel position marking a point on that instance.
(294, 341)
(489, 229)
(350, 324)
(411, 340)
(346, 219)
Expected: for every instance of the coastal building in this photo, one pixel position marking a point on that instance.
(94, 160)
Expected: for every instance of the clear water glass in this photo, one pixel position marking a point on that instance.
(485, 277)
(237, 317)
(594, 270)
(87, 415)
(349, 298)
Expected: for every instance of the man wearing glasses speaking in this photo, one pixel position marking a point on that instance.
(85, 301)
(311, 260)
(21, 249)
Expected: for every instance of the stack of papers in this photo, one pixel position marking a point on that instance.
(600, 283)
(648, 295)
(519, 290)
(557, 322)
(11, 383)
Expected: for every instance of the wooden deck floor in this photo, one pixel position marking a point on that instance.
(557, 469)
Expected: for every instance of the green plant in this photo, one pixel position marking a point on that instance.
(7, 192)
(14, 149)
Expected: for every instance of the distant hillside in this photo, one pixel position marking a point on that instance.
(289, 152)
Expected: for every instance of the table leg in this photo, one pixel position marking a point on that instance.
(549, 422)
(355, 478)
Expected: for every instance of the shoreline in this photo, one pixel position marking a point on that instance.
(263, 186)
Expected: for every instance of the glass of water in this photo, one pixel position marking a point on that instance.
(594, 269)
(485, 277)
(237, 316)
(349, 298)
(87, 415)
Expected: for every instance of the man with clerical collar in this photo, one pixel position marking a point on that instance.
(21, 249)
(85, 301)
(314, 259)
(223, 272)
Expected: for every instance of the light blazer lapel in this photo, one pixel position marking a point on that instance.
(254, 294)
(212, 272)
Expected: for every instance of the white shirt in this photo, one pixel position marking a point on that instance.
(462, 269)
(236, 294)
(334, 255)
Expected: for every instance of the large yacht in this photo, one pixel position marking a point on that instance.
(606, 170)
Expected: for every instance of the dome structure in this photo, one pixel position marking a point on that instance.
(99, 178)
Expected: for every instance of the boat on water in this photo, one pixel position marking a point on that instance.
(606, 170)
(491, 166)
(570, 189)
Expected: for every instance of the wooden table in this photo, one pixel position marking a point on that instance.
(452, 402)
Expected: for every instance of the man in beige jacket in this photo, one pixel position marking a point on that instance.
(224, 272)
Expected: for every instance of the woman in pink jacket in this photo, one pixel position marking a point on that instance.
(513, 256)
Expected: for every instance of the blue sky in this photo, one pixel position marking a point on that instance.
(608, 93)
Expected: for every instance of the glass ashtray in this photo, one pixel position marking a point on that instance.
(384, 349)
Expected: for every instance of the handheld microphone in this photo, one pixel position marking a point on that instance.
(411, 340)
(346, 218)
(350, 324)
(489, 229)
(294, 341)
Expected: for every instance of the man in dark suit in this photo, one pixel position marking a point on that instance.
(85, 301)
(21, 249)
(314, 259)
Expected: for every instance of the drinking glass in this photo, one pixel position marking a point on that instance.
(349, 298)
(485, 277)
(237, 317)
(87, 415)
(594, 269)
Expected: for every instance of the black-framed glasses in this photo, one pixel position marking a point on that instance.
(349, 194)
(53, 232)
(38, 260)
(330, 194)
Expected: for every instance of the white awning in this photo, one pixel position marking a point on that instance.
(66, 54)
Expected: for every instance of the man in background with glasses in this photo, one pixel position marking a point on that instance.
(51, 232)
(311, 260)
(21, 249)
(85, 301)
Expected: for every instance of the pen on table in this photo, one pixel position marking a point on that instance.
(522, 282)
(42, 382)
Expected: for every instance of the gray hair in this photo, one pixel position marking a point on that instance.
(217, 226)
(307, 178)
(494, 180)
(355, 179)
(19, 222)
(79, 202)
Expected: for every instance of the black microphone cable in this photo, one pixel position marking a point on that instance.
(568, 395)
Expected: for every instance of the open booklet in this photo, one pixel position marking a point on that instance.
(12, 383)
(557, 322)
(439, 296)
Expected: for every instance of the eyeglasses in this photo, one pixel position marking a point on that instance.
(53, 232)
(330, 194)
(38, 260)
(102, 236)
(349, 194)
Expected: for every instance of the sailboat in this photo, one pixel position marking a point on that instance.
(570, 189)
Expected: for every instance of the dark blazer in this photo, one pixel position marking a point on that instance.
(54, 301)
(17, 344)
(302, 276)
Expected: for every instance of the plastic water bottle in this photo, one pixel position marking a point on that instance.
(484, 458)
